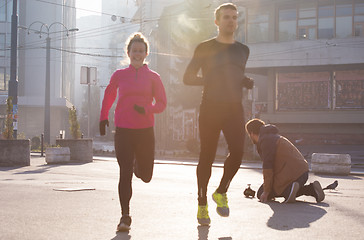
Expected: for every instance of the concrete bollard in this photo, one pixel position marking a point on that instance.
(57, 155)
(339, 164)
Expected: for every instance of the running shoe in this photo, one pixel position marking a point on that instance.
(203, 215)
(124, 224)
(222, 204)
(319, 193)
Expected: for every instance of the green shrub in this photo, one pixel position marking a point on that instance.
(74, 125)
(9, 129)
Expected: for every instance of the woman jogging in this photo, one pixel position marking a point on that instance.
(141, 94)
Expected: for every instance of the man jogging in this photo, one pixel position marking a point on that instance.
(222, 63)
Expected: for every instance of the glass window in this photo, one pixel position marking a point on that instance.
(307, 21)
(359, 18)
(359, 30)
(287, 24)
(302, 33)
(3, 82)
(287, 30)
(359, 8)
(326, 12)
(344, 27)
(258, 26)
(240, 32)
(344, 19)
(298, 91)
(2, 45)
(326, 28)
(344, 9)
(307, 12)
(307, 33)
(3, 10)
(287, 14)
(349, 89)
(10, 10)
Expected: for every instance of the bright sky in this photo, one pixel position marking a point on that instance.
(90, 5)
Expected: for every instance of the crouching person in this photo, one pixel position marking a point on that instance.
(285, 170)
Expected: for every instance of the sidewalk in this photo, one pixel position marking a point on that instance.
(80, 201)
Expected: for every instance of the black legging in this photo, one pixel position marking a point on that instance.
(134, 150)
(214, 118)
(307, 190)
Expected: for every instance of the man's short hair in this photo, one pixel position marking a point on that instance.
(224, 6)
(254, 125)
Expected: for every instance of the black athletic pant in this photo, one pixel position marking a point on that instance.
(307, 190)
(214, 118)
(134, 150)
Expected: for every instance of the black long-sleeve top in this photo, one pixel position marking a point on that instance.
(223, 71)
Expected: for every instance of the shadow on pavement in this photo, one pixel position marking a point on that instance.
(298, 215)
(122, 236)
(3, 169)
(40, 169)
(203, 233)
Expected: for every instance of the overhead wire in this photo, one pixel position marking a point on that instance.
(99, 31)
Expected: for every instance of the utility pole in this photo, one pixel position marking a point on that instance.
(13, 83)
(45, 29)
(89, 77)
(47, 96)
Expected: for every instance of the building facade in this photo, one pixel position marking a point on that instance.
(5, 40)
(34, 18)
(307, 59)
(310, 56)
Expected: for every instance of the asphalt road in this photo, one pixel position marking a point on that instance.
(80, 201)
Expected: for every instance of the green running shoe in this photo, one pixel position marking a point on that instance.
(203, 215)
(222, 204)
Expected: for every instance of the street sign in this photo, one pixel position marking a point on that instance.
(88, 75)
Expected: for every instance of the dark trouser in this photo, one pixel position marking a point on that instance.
(133, 145)
(214, 118)
(307, 190)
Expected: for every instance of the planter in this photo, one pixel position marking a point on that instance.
(338, 164)
(14, 152)
(81, 150)
(57, 155)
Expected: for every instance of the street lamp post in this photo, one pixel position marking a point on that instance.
(45, 29)
(13, 83)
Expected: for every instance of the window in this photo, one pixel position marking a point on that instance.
(299, 91)
(325, 20)
(359, 19)
(344, 19)
(359, 29)
(258, 26)
(349, 89)
(3, 80)
(240, 32)
(3, 10)
(287, 24)
(359, 7)
(2, 45)
(307, 21)
(9, 6)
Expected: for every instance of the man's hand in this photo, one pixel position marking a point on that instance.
(264, 197)
(102, 126)
(139, 109)
(248, 82)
